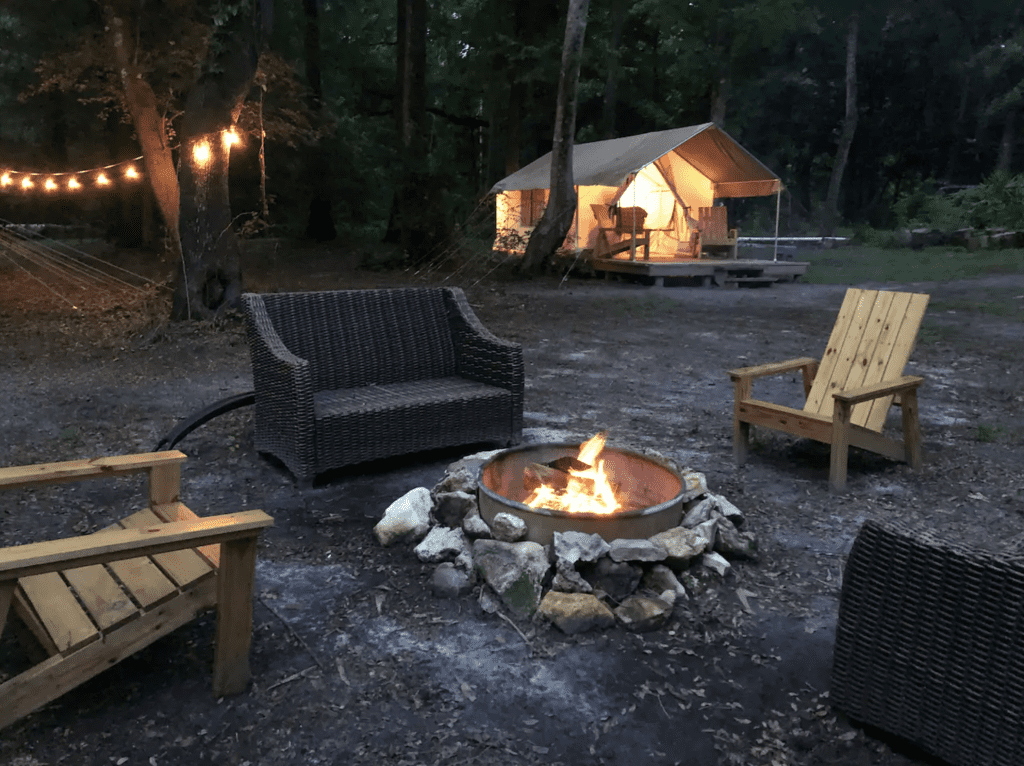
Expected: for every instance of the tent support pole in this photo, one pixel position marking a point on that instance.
(778, 202)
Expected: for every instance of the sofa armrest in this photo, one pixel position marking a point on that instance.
(482, 356)
(283, 383)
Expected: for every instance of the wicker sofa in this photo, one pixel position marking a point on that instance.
(930, 644)
(347, 376)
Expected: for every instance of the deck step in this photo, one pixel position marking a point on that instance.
(751, 281)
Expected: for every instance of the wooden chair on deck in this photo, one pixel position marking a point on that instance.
(849, 393)
(715, 234)
(627, 221)
(90, 602)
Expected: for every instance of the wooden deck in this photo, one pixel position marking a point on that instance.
(723, 272)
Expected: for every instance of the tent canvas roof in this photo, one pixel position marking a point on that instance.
(733, 170)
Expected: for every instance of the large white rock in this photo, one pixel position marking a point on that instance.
(514, 570)
(643, 613)
(408, 518)
(700, 512)
(442, 544)
(716, 562)
(682, 545)
(574, 547)
(450, 508)
(508, 527)
(474, 525)
(660, 578)
(622, 549)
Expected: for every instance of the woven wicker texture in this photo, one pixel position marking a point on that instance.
(347, 376)
(929, 645)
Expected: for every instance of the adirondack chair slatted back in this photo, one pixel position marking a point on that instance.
(714, 224)
(871, 342)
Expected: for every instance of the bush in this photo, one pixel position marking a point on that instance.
(998, 202)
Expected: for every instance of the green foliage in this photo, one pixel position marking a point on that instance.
(860, 264)
(997, 202)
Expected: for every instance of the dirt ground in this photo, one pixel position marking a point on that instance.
(355, 662)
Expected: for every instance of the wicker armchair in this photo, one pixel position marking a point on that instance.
(929, 645)
(348, 376)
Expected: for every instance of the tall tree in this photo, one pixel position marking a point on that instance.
(557, 218)
(320, 225)
(849, 126)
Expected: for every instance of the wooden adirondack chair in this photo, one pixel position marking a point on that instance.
(849, 393)
(91, 601)
(715, 234)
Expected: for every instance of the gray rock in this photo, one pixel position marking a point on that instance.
(727, 509)
(472, 462)
(514, 570)
(489, 601)
(732, 543)
(694, 484)
(644, 613)
(441, 544)
(568, 580)
(575, 612)
(699, 513)
(635, 550)
(716, 563)
(461, 480)
(508, 527)
(450, 508)
(474, 526)
(450, 582)
(617, 579)
(408, 518)
(579, 546)
(708, 529)
(660, 578)
(682, 545)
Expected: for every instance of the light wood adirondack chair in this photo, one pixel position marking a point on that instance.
(715, 234)
(849, 393)
(92, 601)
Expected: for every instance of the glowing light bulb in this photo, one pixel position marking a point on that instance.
(231, 138)
(201, 152)
(131, 172)
(50, 184)
(26, 183)
(5, 180)
(102, 180)
(73, 183)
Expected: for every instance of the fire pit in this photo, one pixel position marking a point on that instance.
(650, 494)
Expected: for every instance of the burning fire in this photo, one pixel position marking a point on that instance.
(580, 487)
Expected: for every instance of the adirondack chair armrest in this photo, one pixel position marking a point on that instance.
(19, 476)
(775, 368)
(878, 390)
(103, 547)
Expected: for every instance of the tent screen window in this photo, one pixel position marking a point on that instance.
(533, 203)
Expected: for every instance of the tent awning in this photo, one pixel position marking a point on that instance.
(732, 170)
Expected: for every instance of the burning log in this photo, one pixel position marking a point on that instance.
(573, 482)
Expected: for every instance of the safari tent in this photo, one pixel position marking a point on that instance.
(672, 175)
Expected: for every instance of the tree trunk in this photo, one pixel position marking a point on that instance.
(557, 219)
(611, 83)
(320, 226)
(1005, 161)
(150, 126)
(849, 126)
(418, 220)
(209, 276)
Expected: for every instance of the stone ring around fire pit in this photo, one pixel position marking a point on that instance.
(577, 571)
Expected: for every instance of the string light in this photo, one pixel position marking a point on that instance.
(103, 176)
(201, 152)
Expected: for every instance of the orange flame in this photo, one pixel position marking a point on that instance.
(587, 491)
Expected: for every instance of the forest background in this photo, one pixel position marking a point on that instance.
(367, 107)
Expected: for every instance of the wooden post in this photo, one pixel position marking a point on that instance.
(6, 596)
(235, 584)
(840, 445)
(740, 429)
(809, 371)
(164, 484)
(911, 429)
